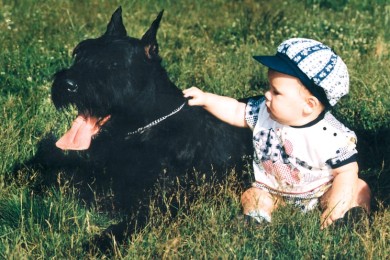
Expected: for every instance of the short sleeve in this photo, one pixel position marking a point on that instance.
(252, 111)
(345, 154)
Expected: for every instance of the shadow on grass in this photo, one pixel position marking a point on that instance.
(374, 163)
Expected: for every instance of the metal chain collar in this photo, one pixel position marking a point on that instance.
(155, 122)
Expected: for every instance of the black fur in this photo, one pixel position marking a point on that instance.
(122, 76)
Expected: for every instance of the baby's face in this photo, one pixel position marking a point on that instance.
(286, 98)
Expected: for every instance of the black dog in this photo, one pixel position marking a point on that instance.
(134, 126)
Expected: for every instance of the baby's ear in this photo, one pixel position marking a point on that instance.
(311, 104)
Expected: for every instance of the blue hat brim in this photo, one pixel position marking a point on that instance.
(276, 63)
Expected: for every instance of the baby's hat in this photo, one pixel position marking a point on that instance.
(316, 65)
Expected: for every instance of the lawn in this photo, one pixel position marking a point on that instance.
(208, 44)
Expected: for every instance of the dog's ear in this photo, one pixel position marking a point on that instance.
(115, 27)
(149, 39)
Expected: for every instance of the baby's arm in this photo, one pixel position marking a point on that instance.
(343, 194)
(226, 109)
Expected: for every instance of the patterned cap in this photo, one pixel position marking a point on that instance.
(316, 65)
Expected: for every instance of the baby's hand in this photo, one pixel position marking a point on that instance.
(326, 219)
(330, 215)
(196, 97)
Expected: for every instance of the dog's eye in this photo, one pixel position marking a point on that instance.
(72, 86)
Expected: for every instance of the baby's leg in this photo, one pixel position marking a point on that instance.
(258, 203)
(363, 195)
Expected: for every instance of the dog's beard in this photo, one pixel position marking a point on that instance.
(79, 136)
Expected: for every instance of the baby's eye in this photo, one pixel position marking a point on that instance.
(274, 91)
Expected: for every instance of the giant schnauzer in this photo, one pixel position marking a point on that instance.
(134, 127)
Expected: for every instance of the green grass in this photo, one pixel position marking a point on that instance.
(208, 44)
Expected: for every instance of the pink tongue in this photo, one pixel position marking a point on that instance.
(80, 135)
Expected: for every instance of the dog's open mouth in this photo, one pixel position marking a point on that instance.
(79, 136)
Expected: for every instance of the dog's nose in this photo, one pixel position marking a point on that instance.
(71, 85)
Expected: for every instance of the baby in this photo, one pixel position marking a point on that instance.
(303, 154)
